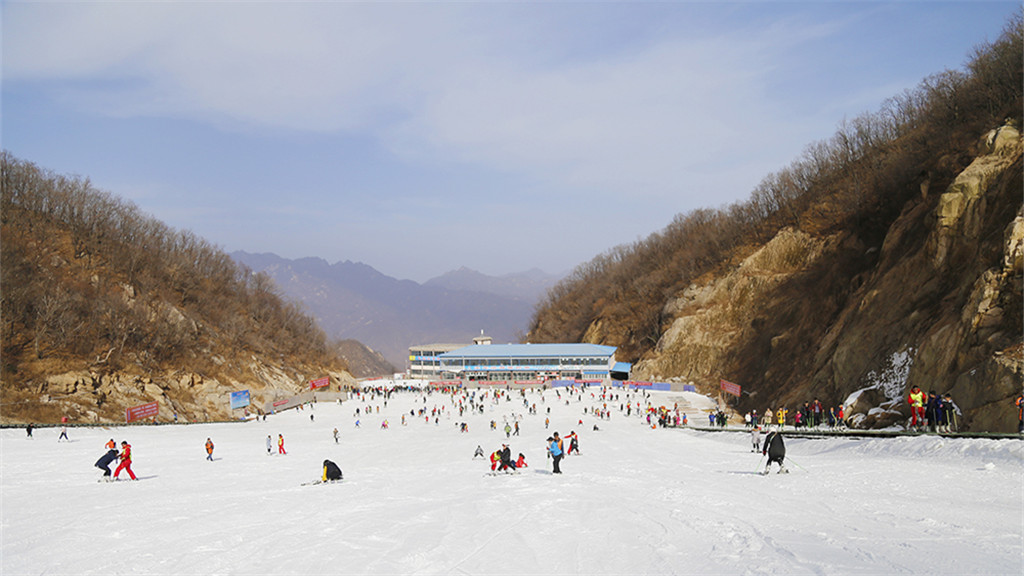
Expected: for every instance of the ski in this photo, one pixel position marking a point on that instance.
(315, 482)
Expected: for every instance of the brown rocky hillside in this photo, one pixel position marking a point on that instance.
(885, 257)
(364, 362)
(104, 308)
(936, 304)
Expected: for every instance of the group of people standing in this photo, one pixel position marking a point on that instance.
(932, 412)
(810, 415)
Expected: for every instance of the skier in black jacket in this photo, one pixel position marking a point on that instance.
(331, 472)
(506, 458)
(775, 448)
(104, 463)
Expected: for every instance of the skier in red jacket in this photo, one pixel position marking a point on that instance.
(917, 400)
(126, 461)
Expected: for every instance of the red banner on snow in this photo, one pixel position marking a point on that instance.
(319, 383)
(140, 412)
(731, 388)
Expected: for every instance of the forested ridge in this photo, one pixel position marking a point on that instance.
(886, 256)
(860, 178)
(90, 283)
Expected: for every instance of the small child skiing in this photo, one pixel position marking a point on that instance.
(280, 444)
(63, 434)
(270, 443)
(209, 450)
(755, 438)
(335, 435)
(521, 462)
(479, 453)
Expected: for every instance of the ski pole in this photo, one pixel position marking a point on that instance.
(797, 465)
(759, 464)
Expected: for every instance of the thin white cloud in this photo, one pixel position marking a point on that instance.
(440, 83)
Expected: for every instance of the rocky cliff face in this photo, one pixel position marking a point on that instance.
(86, 397)
(937, 303)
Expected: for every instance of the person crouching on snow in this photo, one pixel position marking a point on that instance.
(331, 472)
(775, 448)
(521, 462)
(495, 459)
(104, 463)
(506, 459)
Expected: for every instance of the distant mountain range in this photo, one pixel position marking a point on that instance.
(352, 300)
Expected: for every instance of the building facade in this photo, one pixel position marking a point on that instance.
(425, 360)
(511, 362)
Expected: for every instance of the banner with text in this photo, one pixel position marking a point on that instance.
(320, 383)
(140, 412)
(239, 399)
(731, 388)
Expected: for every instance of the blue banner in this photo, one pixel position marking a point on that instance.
(239, 399)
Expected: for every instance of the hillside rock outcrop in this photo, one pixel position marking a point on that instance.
(937, 303)
(88, 397)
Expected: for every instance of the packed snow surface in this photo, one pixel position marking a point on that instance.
(414, 501)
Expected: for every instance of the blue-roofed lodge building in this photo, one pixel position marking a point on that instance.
(528, 362)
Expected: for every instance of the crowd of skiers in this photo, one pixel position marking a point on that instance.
(928, 411)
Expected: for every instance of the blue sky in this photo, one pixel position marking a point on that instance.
(422, 137)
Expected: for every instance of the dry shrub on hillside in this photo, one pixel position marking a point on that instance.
(858, 180)
(90, 279)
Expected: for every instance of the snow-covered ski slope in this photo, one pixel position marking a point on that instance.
(413, 501)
